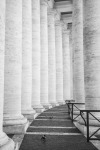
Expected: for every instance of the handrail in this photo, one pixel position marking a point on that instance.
(70, 110)
(89, 112)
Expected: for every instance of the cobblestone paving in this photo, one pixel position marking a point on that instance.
(59, 134)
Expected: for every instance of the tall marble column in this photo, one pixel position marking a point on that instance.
(27, 57)
(91, 34)
(13, 120)
(71, 59)
(36, 56)
(77, 41)
(66, 63)
(51, 58)
(59, 62)
(5, 142)
(44, 54)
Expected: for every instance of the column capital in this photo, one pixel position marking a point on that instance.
(65, 27)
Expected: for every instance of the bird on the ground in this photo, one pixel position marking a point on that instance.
(43, 138)
(51, 117)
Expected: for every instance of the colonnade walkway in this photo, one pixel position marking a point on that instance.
(60, 133)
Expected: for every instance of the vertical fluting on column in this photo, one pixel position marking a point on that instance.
(13, 67)
(51, 58)
(66, 63)
(77, 37)
(27, 57)
(91, 34)
(44, 53)
(36, 56)
(4, 140)
(59, 62)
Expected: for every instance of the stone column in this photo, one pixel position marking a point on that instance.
(36, 56)
(44, 54)
(59, 62)
(66, 63)
(51, 58)
(13, 120)
(5, 142)
(91, 32)
(27, 57)
(92, 53)
(77, 41)
(71, 59)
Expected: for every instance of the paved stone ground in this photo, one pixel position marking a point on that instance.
(59, 131)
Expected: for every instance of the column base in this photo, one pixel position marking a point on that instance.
(83, 128)
(38, 108)
(29, 114)
(47, 105)
(7, 143)
(32, 117)
(28, 111)
(15, 124)
(61, 103)
(54, 104)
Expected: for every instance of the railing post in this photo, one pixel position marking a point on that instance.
(87, 126)
(72, 112)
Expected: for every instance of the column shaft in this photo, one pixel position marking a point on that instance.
(51, 58)
(59, 62)
(36, 56)
(77, 37)
(27, 57)
(71, 58)
(5, 142)
(66, 63)
(13, 68)
(92, 53)
(44, 54)
(91, 35)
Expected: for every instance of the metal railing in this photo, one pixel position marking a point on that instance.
(71, 107)
(88, 113)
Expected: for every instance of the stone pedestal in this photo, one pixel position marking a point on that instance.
(27, 58)
(51, 58)
(13, 68)
(66, 63)
(91, 32)
(77, 43)
(59, 62)
(36, 104)
(5, 142)
(44, 54)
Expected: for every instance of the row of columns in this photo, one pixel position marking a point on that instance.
(31, 58)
